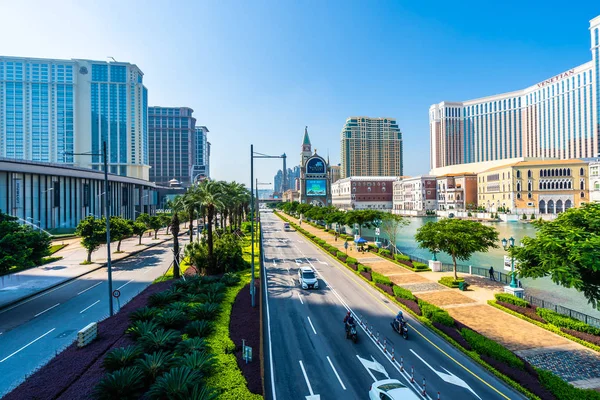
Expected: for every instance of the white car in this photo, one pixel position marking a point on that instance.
(391, 389)
(307, 278)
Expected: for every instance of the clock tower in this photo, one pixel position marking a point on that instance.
(306, 148)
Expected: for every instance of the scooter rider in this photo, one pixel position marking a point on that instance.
(348, 320)
(399, 321)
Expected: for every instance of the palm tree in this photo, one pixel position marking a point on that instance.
(211, 196)
(176, 206)
(190, 204)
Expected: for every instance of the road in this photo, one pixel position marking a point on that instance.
(33, 331)
(307, 355)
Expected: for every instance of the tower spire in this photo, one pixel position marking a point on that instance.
(306, 141)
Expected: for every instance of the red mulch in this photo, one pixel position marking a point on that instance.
(245, 324)
(385, 288)
(588, 337)
(367, 275)
(413, 305)
(527, 311)
(76, 368)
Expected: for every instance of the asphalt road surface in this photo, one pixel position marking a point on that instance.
(33, 331)
(307, 355)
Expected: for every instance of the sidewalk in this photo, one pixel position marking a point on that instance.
(573, 362)
(20, 285)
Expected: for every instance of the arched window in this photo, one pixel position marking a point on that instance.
(542, 207)
(568, 204)
(582, 195)
(550, 207)
(518, 174)
(560, 186)
(581, 171)
(569, 185)
(518, 195)
(568, 171)
(529, 173)
(551, 172)
(559, 206)
(529, 195)
(518, 186)
(529, 186)
(582, 185)
(564, 172)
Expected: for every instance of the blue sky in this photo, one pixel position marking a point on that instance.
(259, 71)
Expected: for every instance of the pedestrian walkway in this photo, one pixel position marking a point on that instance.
(538, 346)
(23, 284)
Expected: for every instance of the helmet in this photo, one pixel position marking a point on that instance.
(348, 313)
(399, 314)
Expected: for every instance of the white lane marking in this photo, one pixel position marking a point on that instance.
(373, 365)
(448, 376)
(147, 270)
(321, 262)
(27, 345)
(368, 370)
(306, 378)
(311, 325)
(38, 296)
(91, 287)
(88, 307)
(119, 288)
(300, 297)
(336, 373)
(269, 329)
(47, 309)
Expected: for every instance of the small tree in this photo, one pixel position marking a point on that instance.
(155, 224)
(120, 228)
(143, 218)
(566, 249)
(165, 220)
(390, 224)
(93, 233)
(20, 246)
(457, 237)
(139, 228)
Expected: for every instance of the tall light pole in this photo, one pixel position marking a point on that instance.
(107, 217)
(254, 155)
(509, 245)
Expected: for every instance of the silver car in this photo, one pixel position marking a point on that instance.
(307, 278)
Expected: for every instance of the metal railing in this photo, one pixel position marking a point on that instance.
(588, 319)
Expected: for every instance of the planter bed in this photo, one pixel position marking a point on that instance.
(353, 266)
(453, 333)
(526, 311)
(245, 324)
(411, 304)
(366, 275)
(73, 363)
(588, 337)
(385, 288)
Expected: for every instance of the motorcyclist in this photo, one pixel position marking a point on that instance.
(399, 320)
(348, 320)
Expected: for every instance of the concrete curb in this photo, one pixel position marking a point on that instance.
(55, 285)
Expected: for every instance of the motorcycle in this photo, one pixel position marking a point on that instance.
(352, 333)
(401, 329)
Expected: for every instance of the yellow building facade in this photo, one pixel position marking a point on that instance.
(534, 187)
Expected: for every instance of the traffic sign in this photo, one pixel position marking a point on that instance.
(377, 231)
(116, 293)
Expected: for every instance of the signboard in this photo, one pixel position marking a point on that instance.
(377, 231)
(507, 263)
(247, 353)
(315, 166)
(18, 192)
(316, 187)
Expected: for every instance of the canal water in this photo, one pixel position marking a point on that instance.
(542, 288)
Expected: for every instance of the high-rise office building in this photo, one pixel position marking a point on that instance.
(201, 167)
(292, 175)
(371, 147)
(50, 109)
(557, 117)
(171, 134)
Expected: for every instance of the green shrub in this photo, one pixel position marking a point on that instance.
(379, 278)
(211, 297)
(161, 299)
(140, 328)
(564, 390)
(159, 340)
(403, 293)
(384, 252)
(483, 345)
(420, 266)
(206, 311)
(121, 357)
(124, 384)
(171, 319)
(532, 217)
(341, 255)
(190, 345)
(364, 268)
(175, 384)
(182, 306)
(200, 328)
(524, 216)
(450, 282)
(155, 364)
(351, 260)
(230, 279)
(143, 314)
(442, 317)
(511, 299)
(200, 361)
(562, 321)
(401, 257)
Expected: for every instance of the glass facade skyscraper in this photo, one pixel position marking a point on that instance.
(51, 108)
(558, 118)
(201, 167)
(172, 146)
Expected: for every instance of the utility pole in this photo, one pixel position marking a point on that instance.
(107, 217)
(252, 221)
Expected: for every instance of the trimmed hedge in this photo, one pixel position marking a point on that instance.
(401, 257)
(483, 345)
(450, 282)
(420, 266)
(379, 278)
(588, 337)
(403, 293)
(511, 299)
(411, 304)
(562, 321)
(364, 268)
(563, 390)
(341, 256)
(351, 260)
(366, 275)
(385, 252)
(435, 314)
(453, 333)
(526, 311)
(527, 377)
(384, 287)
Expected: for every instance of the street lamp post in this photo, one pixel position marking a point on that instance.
(509, 245)
(107, 217)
